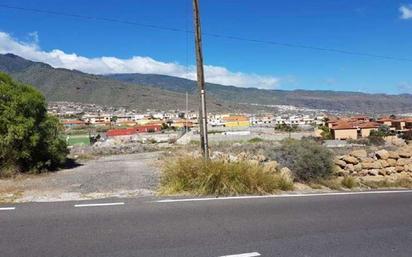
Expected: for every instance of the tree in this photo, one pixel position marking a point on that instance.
(384, 131)
(29, 137)
(326, 133)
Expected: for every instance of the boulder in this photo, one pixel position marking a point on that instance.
(340, 163)
(357, 167)
(350, 167)
(391, 162)
(363, 173)
(341, 172)
(350, 159)
(382, 172)
(399, 169)
(390, 170)
(382, 154)
(371, 165)
(393, 155)
(383, 163)
(359, 154)
(408, 167)
(373, 172)
(367, 159)
(405, 154)
(403, 162)
(271, 166)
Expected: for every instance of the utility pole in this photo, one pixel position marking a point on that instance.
(186, 113)
(200, 81)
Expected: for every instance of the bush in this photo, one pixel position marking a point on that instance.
(29, 138)
(326, 133)
(255, 140)
(376, 138)
(215, 177)
(287, 128)
(308, 160)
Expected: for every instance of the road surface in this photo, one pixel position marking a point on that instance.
(319, 225)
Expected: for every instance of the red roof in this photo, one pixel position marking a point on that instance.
(73, 122)
(121, 132)
(343, 125)
(133, 130)
(370, 124)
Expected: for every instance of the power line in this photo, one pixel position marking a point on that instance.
(230, 37)
(71, 15)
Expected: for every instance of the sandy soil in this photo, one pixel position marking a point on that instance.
(111, 176)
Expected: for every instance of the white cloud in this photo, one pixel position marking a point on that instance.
(136, 64)
(406, 11)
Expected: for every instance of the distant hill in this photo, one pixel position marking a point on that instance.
(316, 99)
(75, 86)
(151, 91)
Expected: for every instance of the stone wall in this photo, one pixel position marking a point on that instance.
(379, 163)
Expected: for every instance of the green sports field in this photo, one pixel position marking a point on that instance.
(78, 140)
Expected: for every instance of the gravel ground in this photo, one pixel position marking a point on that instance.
(110, 176)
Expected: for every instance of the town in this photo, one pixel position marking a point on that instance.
(109, 123)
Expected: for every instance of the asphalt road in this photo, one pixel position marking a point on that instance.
(331, 225)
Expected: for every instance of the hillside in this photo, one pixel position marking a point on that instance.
(75, 86)
(329, 100)
(150, 91)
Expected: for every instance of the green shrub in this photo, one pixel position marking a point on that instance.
(308, 160)
(376, 138)
(287, 128)
(29, 138)
(255, 140)
(326, 133)
(213, 177)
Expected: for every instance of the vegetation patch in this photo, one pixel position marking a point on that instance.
(30, 139)
(187, 175)
(401, 182)
(349, 182)
(255, 140)
(308, 160)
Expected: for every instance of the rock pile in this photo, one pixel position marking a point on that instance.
(382, 162)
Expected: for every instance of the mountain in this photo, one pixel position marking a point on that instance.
(75, 86)
(316, 99)
(151, 91)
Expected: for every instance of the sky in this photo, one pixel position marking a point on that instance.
(266, 44)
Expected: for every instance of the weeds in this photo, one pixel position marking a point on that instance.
(348, 182)
(255, 140)
(195, 176)
(402, 182)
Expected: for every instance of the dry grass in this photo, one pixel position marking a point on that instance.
(186, 175)
(331, 183)
(402, 182)
(349, 182)
(10, 193)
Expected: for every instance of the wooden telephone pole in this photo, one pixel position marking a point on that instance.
(200, 81)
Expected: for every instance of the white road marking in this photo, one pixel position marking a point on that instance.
(98, 204)
(281, 196)
(7, 208)
(254, 254)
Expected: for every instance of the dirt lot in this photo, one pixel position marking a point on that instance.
(110, 176)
